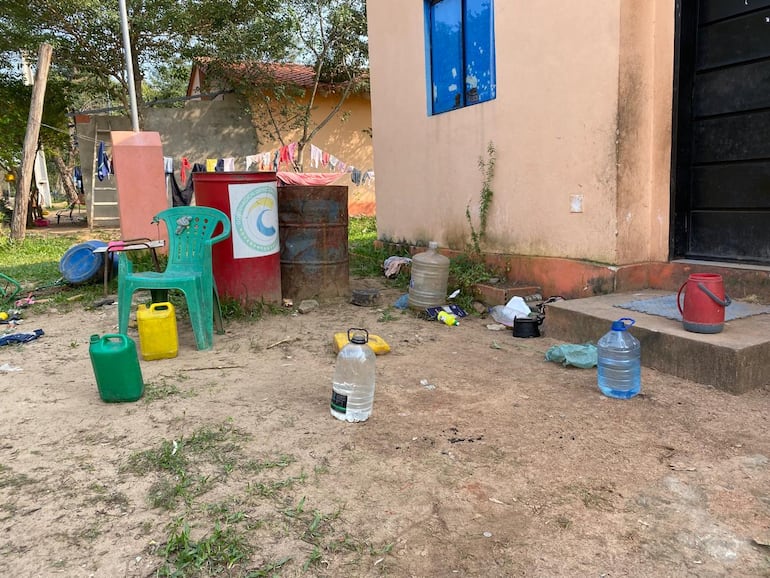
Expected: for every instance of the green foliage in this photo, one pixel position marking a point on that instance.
(365, 258)
(487, 168)
(16, 99)
(213, 554)
(465, 271)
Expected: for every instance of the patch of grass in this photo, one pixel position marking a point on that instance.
(234, 309)
(10, 479)
(386, 315)
(280, 461)
(179, 463)
(365, 259)
(163, 389)
(271, 488)
(216, 553)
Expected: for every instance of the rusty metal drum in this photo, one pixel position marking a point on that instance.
(313, 229)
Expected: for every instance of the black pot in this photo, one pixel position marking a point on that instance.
(527, 326)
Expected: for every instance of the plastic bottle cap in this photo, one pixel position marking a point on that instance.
(622, 324)
(433, 245)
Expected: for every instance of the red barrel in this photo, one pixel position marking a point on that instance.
(247, 266)
(704, 303)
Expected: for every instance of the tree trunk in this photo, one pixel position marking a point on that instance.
(66, 179)
(21, 204)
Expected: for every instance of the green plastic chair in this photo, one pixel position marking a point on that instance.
(191, 236)
(9, 289)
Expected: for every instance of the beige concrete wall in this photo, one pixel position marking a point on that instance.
(347, 136)
(563, 124)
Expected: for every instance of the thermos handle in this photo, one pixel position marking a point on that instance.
(714, 298)
(678, 300)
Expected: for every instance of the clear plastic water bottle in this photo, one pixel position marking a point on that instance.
(353, 381)
(619, 363)
(430, 274)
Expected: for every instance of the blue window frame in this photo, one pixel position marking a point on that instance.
(460, 51)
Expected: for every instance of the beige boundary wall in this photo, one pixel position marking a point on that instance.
(583, 108)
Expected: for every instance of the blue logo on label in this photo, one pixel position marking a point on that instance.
(256, 219)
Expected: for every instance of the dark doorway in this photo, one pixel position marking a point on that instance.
(721, 152)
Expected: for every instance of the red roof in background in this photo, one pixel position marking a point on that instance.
(299, 74)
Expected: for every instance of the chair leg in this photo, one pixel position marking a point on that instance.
(124, 309)
(202, 324)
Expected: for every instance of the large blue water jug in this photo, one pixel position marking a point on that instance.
(620, 361)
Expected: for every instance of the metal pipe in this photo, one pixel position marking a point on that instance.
(129, 64)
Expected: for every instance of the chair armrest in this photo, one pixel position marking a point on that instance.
(226, 229)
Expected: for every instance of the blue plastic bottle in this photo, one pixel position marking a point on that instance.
(619, 364)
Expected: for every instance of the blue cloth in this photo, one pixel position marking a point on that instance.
(20, 337)
(102, 163)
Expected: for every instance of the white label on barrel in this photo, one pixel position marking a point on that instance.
(254, 208)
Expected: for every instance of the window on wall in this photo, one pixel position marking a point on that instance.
(460, 37)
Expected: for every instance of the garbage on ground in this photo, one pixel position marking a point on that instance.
(447, 318)
(376, 343)
(20, 337)
(392, 265)
(8, 368)
(427, 385)
(505, 314)
(307, 305)
(365, 297)
(496, 327)
(455, 310)
(402, 302)
(583, 356)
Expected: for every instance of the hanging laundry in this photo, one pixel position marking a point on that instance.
(325, 159)
(102, 163)
(342, 167)
(316, 155)
(266, 162)
(211, 165)
(292, 152)
(220, 166)
(333, 162)
(168, 165)
(228, 164)
(252, 160)
(185, 166)
(183, 196)
(355, 176)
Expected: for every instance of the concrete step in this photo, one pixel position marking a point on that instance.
(736, 360)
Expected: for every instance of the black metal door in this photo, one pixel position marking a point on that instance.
(721, 168)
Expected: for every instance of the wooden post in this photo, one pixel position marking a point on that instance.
(21, 204)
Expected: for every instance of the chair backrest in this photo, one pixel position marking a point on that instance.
(191, 234)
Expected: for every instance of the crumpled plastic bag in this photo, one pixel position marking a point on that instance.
(505, 314)
(583, 356)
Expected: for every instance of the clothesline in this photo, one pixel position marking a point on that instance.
(275, 159)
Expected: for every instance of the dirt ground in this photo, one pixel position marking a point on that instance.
(480, 459)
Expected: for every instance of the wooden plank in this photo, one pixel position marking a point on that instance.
(739, 236)
(732, 138)
(734, 41)
(712, 10)
(732, 186)
(738, 88)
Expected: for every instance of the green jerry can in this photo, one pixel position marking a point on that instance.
(116, 367)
